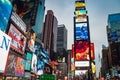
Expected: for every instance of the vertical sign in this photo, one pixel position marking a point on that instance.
(5, 41)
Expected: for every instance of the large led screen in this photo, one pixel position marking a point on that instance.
(79, 4)
(80, 12)
(82, 50)
(11, 64)
(5, 11)
(34, 64)
(5, 41)
(81, 18)
(80, 72)
(27, 10)
(40, 67)
(28, 61)
(18, 39)
(20, 66)
(92, 51)
(81, 31)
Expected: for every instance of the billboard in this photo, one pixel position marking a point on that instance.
(11, 64)
(80, 72)
(80, 12)
(27, 10)
(92, 51)
(81, 18)
(5, 12)
(82, 64)
(82, 50)
(34, 64)
(18, 42)
(40, 67)
(28, 61)
(18, 21)
(81, 31)
(79, 4)
(30, 42)
(5, 41)
(20, 66)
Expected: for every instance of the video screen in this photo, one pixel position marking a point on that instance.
(82, 50)
(81, 31)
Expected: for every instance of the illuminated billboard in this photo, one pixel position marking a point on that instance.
(79, 4)
(19, 71)
(27, 10)
(80, 72)
(81, 31)
(92, 51)
(80, 12)
(81, 18)
(40, 67)
(5, 11)
(28, 61)
(34, 64)
(82, 63)
(82, 50)
(11, 64)
(18, 42)
(5, 42)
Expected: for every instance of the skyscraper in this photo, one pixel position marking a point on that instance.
(62, 40)
(50, 32)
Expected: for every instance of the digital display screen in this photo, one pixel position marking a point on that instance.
(11, 65)
(5, 11)
(20, 66)
(82, 50)
(80, 72)
(92, 51)
(81, 31)
(34, 64)
(80, 12)
(28, 61)
(79, 4)
(18, 39)
(81, 18)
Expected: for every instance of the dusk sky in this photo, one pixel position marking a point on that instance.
(98, 11)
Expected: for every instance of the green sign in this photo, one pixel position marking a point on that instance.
(47, 77)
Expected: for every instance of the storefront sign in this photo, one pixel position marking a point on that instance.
(5, 41)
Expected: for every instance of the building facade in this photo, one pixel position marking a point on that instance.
(50, 32)
(61, 38)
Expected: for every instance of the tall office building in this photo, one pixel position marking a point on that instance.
(62, 40)
(113, 28)
(50, 32)
(113, 34)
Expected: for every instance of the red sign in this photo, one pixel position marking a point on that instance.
(18, 39)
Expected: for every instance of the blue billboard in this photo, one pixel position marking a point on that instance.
(5, 11)
(81, 31)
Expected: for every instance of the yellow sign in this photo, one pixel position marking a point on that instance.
(80, 4)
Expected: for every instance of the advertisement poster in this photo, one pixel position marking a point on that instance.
(5, 11)
(5, 41)
(34, 64)
(20, 67)
(81, 30)
(81, 18)
(27, 10)
(11, 65)
(18, 39)
(92, 51)
(28, 61)
(82, 50)
(40, 67)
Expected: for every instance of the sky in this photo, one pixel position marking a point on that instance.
(98, 11)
